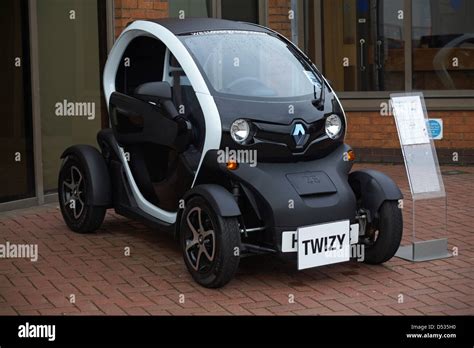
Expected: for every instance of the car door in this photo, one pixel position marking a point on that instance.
(136, 121)
(143, 127)
(133, 120)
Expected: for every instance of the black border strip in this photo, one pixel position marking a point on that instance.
(241, 330)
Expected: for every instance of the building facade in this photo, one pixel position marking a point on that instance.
(56, 51)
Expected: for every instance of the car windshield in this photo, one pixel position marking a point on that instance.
(251, 64)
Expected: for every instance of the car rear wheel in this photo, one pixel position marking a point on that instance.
(210, 244)
(73, 192)
(383, 238)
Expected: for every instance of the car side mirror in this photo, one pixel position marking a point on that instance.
(157, 92)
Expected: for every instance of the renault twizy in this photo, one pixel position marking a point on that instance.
(226, 135)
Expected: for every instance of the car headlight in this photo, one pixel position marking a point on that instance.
(333, 126)
(240, 131)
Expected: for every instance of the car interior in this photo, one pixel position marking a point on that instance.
(162, 172)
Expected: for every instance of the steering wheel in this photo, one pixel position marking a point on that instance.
(257, 87)
(244, 79)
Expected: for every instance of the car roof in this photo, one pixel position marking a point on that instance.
(192, 25)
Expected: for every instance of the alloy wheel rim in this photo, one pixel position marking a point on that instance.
(73, 190)
(200, 244)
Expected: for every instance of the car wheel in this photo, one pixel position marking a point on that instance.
(210, 244)
(383, 238)
(72, 191)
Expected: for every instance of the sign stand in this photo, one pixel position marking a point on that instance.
(424, 175)
(425, 250)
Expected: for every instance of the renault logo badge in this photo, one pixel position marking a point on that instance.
(299, 134)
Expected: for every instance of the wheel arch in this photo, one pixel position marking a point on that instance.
(221, 200)
(373, 188)
(99, 184)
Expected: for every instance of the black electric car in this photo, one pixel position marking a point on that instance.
(226, 135)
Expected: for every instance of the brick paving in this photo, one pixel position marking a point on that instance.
(154, 281)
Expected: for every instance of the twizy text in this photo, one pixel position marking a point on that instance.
(318, 245)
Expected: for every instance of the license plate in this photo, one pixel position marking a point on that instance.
(323, 244)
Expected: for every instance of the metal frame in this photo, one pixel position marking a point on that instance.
(19, 204)
(318, 36)
(40, 196)
(216, 8)
(110, 17)
(35, 96)
(439, 104)
(294, 23)
(263, 12)
(407, 35)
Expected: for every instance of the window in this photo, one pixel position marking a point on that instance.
(189, 8)
(242, 10)
(363, 44)
(443, 44)
(69, 79)
(142, 62)
(381, 46)
(251, 64)
(16, 162)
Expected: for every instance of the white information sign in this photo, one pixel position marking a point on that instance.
(418, 150)
(410, 119)
(421, 162)
(422, 169)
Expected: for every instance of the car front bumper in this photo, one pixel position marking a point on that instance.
(294, 195)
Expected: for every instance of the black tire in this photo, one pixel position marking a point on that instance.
(79, 216)
(389, 230)
(217, 266)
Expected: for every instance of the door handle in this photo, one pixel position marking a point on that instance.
(362, 63)
(378, 57)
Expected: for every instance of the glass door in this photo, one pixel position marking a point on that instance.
(69, 43)
(363, 44)
(16, 149)
(190, 8)
(443, 45)
(242, 10)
